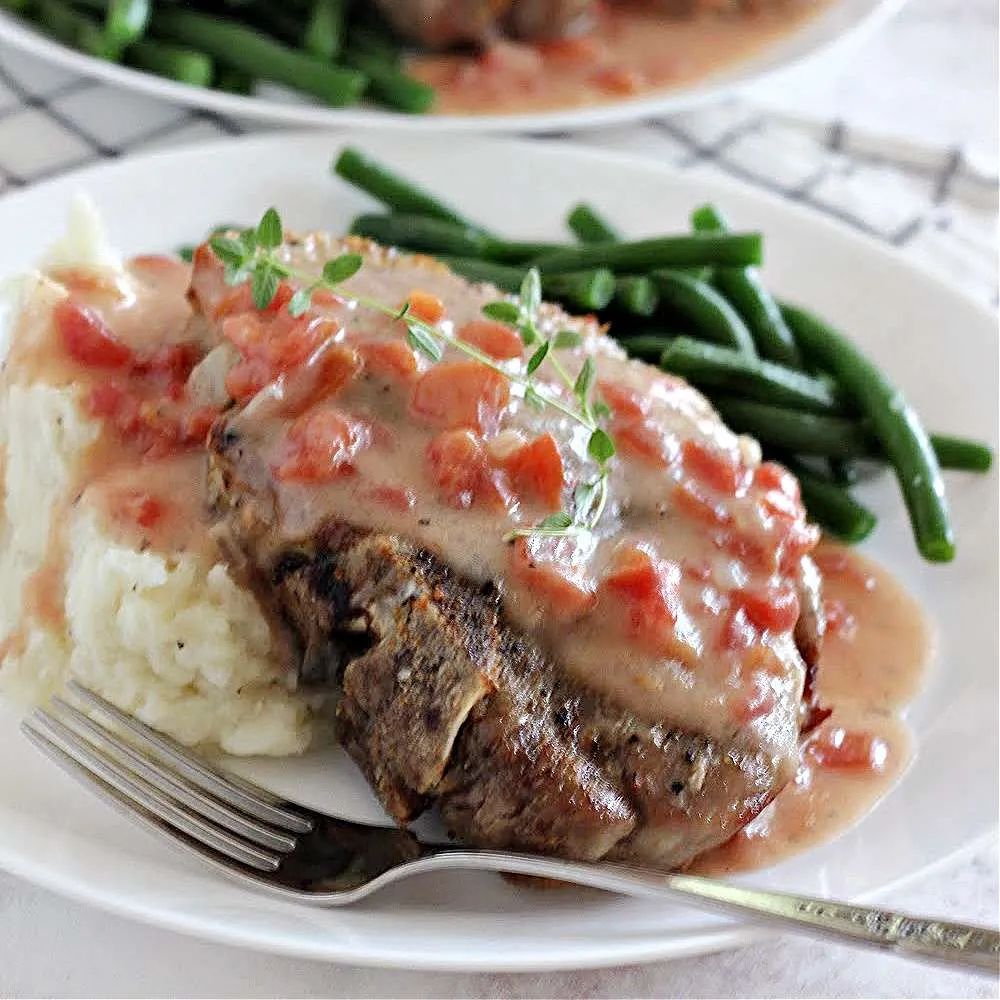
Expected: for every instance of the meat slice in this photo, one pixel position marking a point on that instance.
(442, 701)
(453, 690)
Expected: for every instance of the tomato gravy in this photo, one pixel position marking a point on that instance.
(877, 649)
(630, 53)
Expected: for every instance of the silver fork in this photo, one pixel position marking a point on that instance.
(285, 849)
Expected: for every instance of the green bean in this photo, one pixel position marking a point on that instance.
(961, 453)
(75, 29)
(430, 235)
(394, 191)
(728, 370)
(376, 44)
(639, 256)
(844, 473)
(894, 423)
(697, 273)
(504, 276)
(418, 232)
(242, 47)
(125, 21)
(390, 86)
(323, 36)
(588, 290)
(711, 315)
(743, 288)
(518, 251)
(589, 227)
(795, 431)
(637, 294)
(833, 508)
(648, 346)
(234, 81)
(172, 61)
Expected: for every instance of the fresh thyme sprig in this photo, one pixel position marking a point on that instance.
(252, 257)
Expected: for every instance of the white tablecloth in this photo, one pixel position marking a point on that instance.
(899, 140)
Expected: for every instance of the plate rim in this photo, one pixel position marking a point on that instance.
(669, 947)
(24, 37)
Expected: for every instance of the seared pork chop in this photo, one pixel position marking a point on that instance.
(634, 693)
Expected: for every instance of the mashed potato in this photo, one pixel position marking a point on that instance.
(169, 636)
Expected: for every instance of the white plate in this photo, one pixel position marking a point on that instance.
(940, 347)
(845, 21)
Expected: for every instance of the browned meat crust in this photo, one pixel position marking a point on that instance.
(442, 701)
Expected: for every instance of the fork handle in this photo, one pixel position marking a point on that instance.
(942, 941)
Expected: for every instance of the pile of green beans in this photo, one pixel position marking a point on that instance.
(332, 50)
(695, 304)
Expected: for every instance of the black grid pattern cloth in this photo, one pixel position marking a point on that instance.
(935, 205)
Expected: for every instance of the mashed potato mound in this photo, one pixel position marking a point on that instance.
(170, 637)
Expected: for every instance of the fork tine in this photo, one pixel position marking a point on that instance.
(139, 795)
(243, 795)
(167, 782)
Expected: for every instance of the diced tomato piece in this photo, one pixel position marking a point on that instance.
(461, 470)
(337, 365)
(389, 358)
(324, 375)
(798, 539)
(87, 338)
(618, 80)
(174, 361)
(754, 552)
(648, 440)
(536, 471)
(772, 476)
(320, 446)
(623, 401)
(776, 610)
(282, 297)
(689, 498)
(633, 574)
(425, 306)
(847, 750)
(647, 590)
(140, 508)
(545, 566)
(244, 331)
(737, 632)
(711, 467)
(461, 394)
(323, 298)
(497, 340)
(245, 379)
(394, 497)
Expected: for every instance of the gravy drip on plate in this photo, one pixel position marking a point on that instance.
(877, 648)
(629, 53)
